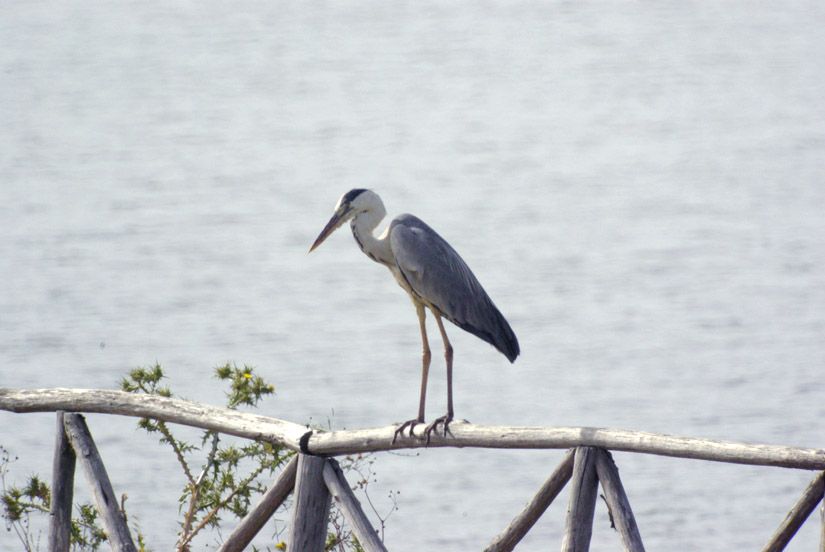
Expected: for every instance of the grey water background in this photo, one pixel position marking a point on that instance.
(639, 186)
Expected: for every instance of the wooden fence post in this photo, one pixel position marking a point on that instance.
(60, 509)
(822, 527)
(111, 517)
(617, 502)
(351, 508)
(260, 514)
(524, 521)
(310, 510)
(582, 505)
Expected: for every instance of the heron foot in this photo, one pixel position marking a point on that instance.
(408, 424)
(445, 420)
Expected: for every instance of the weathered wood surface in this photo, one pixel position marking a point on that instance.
(796, 517)
(260, 514)
(178, 411)
(617, 502)
(310, 510)
(60, 509)
(524, 521)
(581, 507)
(822, 527)
(461, 434)
(351, 508)
(111, 517)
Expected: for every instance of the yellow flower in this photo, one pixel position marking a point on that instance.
(247, 376)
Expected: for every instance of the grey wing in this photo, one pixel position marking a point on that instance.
(441, 278)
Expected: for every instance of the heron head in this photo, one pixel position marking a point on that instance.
(351, 204)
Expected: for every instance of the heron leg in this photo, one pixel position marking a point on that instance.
(448, 356)
(425, 370)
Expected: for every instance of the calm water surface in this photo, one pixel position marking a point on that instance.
(640, 188)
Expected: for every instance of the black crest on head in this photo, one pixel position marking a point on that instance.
(352, 194)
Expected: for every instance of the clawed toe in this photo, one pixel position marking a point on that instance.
(445, 420)
(428, 431)
(408, 424)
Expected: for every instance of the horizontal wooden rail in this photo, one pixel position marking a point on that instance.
(106, 401)
(461, 434)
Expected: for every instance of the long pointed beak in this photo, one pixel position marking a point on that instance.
(337, 220)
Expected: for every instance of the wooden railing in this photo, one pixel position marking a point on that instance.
(315, 479)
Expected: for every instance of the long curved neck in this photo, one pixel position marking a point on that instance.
(377, 249)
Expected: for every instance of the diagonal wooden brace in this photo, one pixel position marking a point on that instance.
(260, 514)
(524, 521)
(617, 502)
(797, 516)
(348, 504)
(114, 523)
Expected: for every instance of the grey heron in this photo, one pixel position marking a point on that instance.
(434, 275)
